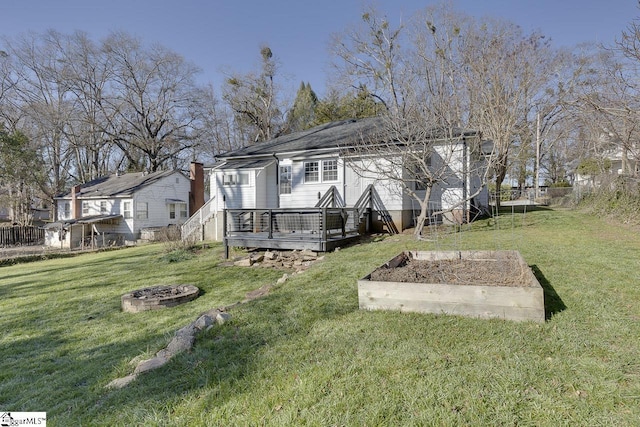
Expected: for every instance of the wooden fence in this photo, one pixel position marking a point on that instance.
(19, 235)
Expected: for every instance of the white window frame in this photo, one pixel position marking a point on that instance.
(126, 210)
(85, 208)
(285, 186)
(235, 179)
(178, 209)
(103, 207)
(310, 173)
(333, 170)
(320, 172)
(66, 213)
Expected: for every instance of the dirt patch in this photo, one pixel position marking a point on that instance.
(503, 272)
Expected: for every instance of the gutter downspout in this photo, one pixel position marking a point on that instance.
(344, 181)
(277, 181)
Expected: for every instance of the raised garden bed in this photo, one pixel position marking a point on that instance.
(484, 284)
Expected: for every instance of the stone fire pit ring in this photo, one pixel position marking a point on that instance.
(157, 297)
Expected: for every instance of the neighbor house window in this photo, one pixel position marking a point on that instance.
(235, 179)
(103, 207)
(67, 210)
(85, 208)
(126, 210)
(417, 173)
(311, 172)
(177, 209)
(330, 170)
(142, 210)
(285, 179)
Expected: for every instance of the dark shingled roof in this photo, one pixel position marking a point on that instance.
(325, 136)
(119, 185)
(334, 135)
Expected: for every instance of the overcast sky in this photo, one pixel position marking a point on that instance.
(220, 35)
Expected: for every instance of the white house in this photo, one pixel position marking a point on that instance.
(115, 209)
(296, 170)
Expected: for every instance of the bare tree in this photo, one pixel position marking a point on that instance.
(42, 98)
(421, 146)
(86, 72)
(149, 103)
(253, 97)
(505, 72)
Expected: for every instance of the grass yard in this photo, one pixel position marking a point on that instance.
(305, 354)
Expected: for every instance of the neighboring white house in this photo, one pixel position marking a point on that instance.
(296, 170)
(115, 209)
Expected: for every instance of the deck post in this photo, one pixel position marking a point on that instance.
(324, 225)
(270, 223)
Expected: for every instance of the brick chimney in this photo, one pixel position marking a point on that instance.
(76, 205)
(196, 195)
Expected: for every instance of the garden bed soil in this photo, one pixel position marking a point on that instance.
(488, 272)
(485, 284)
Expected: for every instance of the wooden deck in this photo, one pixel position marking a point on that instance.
(318, 229)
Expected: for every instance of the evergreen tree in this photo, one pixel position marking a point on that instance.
(302, 114)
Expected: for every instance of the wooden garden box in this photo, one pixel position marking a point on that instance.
(521, 300)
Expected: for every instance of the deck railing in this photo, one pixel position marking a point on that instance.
(309, 222)
(289, 228)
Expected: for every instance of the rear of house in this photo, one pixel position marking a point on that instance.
(297, 170)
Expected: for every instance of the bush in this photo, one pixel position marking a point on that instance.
(618, 198)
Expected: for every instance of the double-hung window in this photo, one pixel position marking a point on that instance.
(142, 210)
(311, 172)
(176, 209)
(313, 169)
(329, 170)
(126, 210)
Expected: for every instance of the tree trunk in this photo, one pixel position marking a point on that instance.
(421, 221)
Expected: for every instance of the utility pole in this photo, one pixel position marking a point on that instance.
(536, 184)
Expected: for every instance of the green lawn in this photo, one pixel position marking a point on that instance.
(305, 354)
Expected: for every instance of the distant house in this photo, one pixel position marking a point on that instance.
(612, 163)
(296, 170)
(116, 209)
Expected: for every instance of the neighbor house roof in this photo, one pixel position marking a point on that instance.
(328, 136)
(119, 185)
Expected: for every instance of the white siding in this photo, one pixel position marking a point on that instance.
(261, 187)
(174, 187)
(271, 200)
(390, 192)
(305, 194)
(235, 196)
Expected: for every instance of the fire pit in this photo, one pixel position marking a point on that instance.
(483, 284)
(158, 297)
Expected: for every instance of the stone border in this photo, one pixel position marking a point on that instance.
(132, 304)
